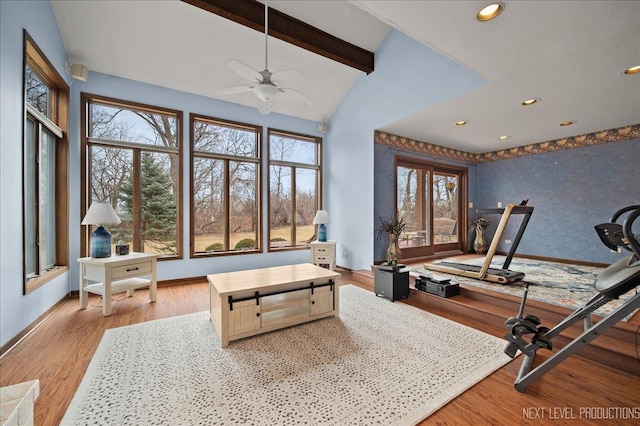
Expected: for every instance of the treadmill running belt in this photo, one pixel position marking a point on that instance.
(511, 276)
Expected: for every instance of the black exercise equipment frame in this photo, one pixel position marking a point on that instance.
(617, 279)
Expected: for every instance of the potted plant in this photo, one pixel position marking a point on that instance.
(393, 227)
(479, 225)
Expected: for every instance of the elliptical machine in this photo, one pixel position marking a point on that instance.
(616, 280)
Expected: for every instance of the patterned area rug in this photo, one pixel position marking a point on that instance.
(561, 284)
(373, 365)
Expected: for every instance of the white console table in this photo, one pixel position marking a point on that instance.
(116, 274)
(246, 303)
(16, 403)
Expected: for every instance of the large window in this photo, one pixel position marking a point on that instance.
(133, 161)
(294, 188)
(44, 169)
(225, 193)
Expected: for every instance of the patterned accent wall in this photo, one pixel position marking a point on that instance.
(597, 138)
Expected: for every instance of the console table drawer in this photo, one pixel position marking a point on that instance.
(322, 259)
(324, 251)
(132, 270)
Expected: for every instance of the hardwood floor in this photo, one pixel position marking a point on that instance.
(60, 349)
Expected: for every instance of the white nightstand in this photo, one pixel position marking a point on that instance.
(116, 274)
(323, 254)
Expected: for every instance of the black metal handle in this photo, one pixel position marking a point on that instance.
(313, 302)
(257, 314)
(132, 269)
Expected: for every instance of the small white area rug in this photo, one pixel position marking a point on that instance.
(380, 363)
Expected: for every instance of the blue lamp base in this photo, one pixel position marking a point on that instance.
(322, 233)
(100, 243)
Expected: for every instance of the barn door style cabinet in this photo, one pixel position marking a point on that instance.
(246, 303)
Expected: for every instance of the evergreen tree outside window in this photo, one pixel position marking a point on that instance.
(134, 163)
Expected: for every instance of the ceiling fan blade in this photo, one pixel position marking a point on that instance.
(289, 77)
(234, 89)
(244, 71)
(295, 97)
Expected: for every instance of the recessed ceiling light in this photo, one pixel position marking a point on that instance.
(503, 137)
(490, 11)
(632, 70)
(461, 122)
(531, 101)
(567, 123)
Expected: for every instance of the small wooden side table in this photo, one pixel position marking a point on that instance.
(116, 274)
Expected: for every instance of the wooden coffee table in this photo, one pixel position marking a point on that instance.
(251, 302)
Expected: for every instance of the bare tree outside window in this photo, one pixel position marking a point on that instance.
(225, 180)
(37, 92)
(294, 189)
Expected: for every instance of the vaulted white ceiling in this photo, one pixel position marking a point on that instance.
(570, 54)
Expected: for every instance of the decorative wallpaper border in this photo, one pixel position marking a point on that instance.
(588, 139)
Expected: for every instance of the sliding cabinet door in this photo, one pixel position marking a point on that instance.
(429, 196)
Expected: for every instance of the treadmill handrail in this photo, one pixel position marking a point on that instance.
(517, 209)
(496, 240)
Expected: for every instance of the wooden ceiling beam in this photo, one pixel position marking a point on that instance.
(250, 13)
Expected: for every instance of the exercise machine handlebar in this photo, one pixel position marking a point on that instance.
(628, 232)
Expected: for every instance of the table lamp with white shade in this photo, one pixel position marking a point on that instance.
(322, 217)
(100, 214)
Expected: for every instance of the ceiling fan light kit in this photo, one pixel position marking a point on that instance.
(266, 92)
(267, 85)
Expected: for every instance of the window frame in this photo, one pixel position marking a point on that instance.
(137, 149)
(294, 165)
(56, 123)
(193, 154)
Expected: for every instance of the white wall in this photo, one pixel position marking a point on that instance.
(17, 310)
(408, 77)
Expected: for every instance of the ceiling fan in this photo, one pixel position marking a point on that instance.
(267, 85)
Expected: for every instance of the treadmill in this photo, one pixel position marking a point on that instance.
(484, 272)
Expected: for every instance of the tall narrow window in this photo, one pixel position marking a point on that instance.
(44, 168)
(134, 163)
(294, 188)
(225, 195)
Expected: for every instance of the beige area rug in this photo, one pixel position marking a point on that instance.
(379, 363)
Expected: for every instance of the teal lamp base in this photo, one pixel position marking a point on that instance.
(100, 243)
(322, 233)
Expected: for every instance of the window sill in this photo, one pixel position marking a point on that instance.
(34, 283)
(224, 253)
(289, 248)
